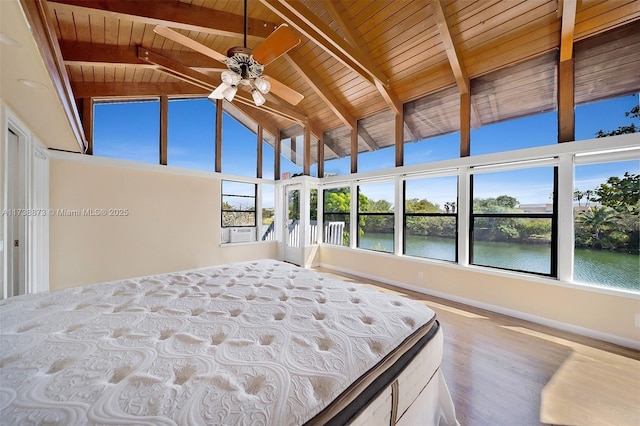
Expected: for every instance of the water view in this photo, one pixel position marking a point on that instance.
(619, 270)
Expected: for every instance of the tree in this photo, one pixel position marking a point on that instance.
(623, 130)
(622, 195)
(597, 220)
(578, 195)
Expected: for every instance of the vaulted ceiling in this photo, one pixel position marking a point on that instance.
(359, 61)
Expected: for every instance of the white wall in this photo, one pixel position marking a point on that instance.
(173, 222)
(600, 314)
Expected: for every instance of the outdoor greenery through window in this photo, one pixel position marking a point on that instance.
(336, 215)
(513, 219)
(431, 218)
(238, 204)
(376, 216)
(607, 224)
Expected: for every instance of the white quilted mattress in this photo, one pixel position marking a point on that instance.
(260, 342)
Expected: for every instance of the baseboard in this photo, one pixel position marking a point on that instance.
(583, 331)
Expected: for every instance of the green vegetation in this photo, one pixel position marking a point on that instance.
(614, 222)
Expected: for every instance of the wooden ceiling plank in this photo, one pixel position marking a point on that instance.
(303, 20)
(304, 71)
(177, 15)
(337, 13)
(567, 30)
(452, 50)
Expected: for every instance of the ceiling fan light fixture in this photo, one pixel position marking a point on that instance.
(218, 93)
(230, 92)
(262, 85)
(230, 78)
(257, 97)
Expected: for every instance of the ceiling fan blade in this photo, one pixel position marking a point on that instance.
(188, 42)
(278, 43)
(284, 92)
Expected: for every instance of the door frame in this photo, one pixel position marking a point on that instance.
(34, 235)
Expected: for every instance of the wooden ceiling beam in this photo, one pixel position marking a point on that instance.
(196, 78)
(367, 139)
(38, 17)
(568, 29)
(103, 90)
(305, 21)
(450, 47)
(176, 14)
(84, 53)
(296, 62)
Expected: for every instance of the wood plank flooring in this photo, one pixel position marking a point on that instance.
(505, 371)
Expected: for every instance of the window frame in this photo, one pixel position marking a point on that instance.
(553, 265)
(405, 215)
(255, 205)
(381, 214)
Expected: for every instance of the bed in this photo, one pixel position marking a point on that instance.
(255, 343)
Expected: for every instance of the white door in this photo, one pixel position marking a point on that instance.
(292, 225)
(15, 239)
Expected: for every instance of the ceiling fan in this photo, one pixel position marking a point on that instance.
(245, 65)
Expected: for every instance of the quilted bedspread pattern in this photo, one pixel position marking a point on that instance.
(260, 342)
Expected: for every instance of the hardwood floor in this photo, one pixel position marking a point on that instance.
(505, 371)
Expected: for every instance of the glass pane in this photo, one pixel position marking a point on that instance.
(607, 224)
(233, 219)
(291, 157)
(239, 148)
(127, 131)
(268, 156)
(520, 244)
(514, 191)
(313, 216)
(376, 232)
(383, 158)
(191, 129)
(337, 166)
(293, 218)
(230, 202)
(337, 207)
(376, 197)
(433, 237)
(607, 118)
(525, 132)
(431, 195)
(444, 147)
(267, 230)
(230, 187)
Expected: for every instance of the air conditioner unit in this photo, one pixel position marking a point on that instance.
(241, 235)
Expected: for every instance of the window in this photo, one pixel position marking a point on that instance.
(607, 223)
(513, 220)
(431, 218)
(377, 149)
(137, 135)
(432, 127)
(336, 215)
(268, 156)
(337, 158)
(192, 134)
(239, 148)
(291, 156)
(268, 231)
(376, 216)
(609, 117)
(238, 204)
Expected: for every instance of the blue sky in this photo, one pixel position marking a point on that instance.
(131, 131)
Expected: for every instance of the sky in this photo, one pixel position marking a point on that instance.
(131, 131)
